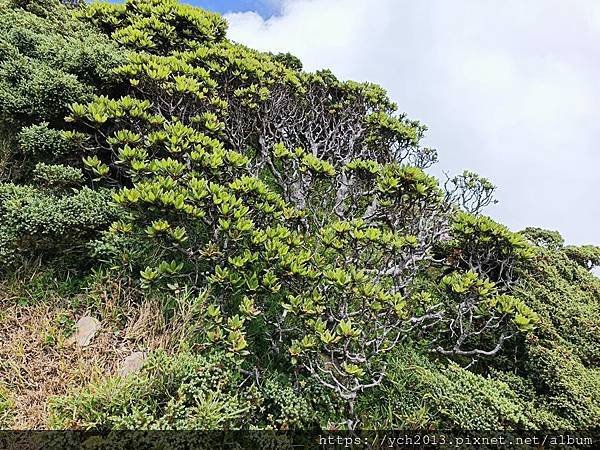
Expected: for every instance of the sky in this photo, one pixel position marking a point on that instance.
(264, 8)
(508, 88)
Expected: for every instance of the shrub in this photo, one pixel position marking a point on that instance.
(189, 392)
(39, 142)
(157, 26)
(565, 295)
(486, 247)
(420, 394)
(57, 176)
(37, 223)
(303, 404)
(308, 234)
(183, 392)
(558, 362)
(565, 386)
(48, 60)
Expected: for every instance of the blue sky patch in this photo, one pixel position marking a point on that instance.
(266, 8)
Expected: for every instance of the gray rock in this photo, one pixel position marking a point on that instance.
(87, 327)
(133, 363)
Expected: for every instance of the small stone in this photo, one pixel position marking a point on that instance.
(133, 363)
(86, 329)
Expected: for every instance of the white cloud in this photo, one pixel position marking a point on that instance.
(507, 88)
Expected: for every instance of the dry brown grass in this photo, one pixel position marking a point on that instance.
(36, 362)
(147, 324)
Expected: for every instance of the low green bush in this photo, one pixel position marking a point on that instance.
(566, 295)
(57, 176)
(192, 392)
(42, 143)
(48, 60)
(183, 392)
(424, 395)
(38, 223)
(565, 386)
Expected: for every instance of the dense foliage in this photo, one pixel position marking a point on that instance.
(333, 281)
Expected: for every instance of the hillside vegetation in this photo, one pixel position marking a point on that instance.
(268, 239)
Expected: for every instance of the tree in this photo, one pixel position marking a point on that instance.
(299, 202)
